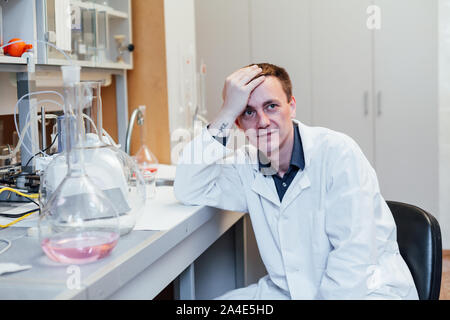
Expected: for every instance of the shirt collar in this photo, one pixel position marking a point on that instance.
(297, 158)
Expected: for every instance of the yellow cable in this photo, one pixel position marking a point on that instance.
(30, 196)
(17, 220)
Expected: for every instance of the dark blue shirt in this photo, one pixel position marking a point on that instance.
(297, 163)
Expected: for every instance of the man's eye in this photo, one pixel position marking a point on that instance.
(271, 106)
(248, 112)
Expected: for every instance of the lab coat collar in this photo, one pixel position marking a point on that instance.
(307, 143)
(264, 185)
(301, 180)
(300, 183)
(297, 157)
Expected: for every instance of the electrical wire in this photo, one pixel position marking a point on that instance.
(18, 215)
(22, 215)
(26, 215)
(43, 151)
(16, 107)
(29, 196)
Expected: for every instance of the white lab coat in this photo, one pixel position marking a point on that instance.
(332, 236)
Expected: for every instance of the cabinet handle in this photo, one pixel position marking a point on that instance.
(366, 103)
(379, 111)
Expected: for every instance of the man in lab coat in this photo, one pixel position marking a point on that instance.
(323, 229)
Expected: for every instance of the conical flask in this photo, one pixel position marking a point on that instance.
(78, 224)
(111, 169)
(146, 160)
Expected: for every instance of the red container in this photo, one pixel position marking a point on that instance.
(17, 49)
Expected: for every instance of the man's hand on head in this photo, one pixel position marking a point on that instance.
(236, 93)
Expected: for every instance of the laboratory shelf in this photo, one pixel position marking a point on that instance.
(12, 60)
(90, 64)
(117, 14)
(114, 65)
(64, 62)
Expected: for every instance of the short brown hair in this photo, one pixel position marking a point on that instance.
(271, 70)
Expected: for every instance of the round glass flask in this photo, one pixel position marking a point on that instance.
(78, 223)
(111, 169)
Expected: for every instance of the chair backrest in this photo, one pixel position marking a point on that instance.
(420, 244)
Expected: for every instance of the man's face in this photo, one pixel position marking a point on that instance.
(267, 121)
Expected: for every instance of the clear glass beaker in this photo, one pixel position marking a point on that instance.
(78, 224)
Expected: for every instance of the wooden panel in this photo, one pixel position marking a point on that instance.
(147, 82)
(109, 110)
(6, 129)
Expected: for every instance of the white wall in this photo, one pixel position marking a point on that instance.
(234, 33)
(180, 44)
(223, 43)
(444, 121)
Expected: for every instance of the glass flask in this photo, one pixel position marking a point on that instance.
(111, 169)
(78, 224)
(146, 160)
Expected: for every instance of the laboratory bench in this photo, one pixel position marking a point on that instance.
(197, 248)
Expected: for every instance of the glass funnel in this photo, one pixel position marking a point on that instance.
(78, 223)
(112, 170)
(146, 160)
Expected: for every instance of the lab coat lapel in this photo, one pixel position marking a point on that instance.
(265, 187)
(300, 183)
(301, 180)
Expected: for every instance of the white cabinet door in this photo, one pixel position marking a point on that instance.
(342, 69)
(280, 34)
(406, 90)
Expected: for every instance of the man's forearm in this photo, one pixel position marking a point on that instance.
(221, 126)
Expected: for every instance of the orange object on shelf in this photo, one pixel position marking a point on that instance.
(17, 49)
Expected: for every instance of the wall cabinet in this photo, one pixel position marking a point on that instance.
(380, 87)
(89, 32)
(383, 91)
(96, 31)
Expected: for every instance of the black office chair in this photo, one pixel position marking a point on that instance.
(420, 244)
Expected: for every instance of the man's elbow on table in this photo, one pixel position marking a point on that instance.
(183, 189)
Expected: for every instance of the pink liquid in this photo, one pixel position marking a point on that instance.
(80, 248)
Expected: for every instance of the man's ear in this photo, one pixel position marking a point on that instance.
(293, 106)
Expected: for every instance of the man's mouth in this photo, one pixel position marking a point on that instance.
(266, 134)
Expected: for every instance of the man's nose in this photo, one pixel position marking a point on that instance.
(263, 120)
